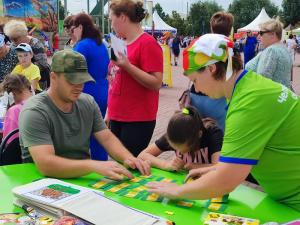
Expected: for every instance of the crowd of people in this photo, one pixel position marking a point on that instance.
(86, 106)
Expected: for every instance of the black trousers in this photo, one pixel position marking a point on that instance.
(135, 136)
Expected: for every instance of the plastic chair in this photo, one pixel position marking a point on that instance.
(10, 153)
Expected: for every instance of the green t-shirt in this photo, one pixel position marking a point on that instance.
(263, 129)
(42, 123)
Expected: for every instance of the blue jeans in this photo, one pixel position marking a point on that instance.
(208, 107)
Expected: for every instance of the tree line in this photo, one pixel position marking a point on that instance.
(197, 21)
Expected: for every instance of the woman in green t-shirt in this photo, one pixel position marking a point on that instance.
(260, 129)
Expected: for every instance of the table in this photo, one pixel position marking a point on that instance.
(244, 201)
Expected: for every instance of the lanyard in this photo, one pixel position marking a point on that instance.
(237, 80)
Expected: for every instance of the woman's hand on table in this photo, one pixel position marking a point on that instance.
(165, 189)
(197, 173)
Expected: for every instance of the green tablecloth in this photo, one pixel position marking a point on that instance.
(244, 201)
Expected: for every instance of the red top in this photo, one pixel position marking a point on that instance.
(55, 44)
(128, 100)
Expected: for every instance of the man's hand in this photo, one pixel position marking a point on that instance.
(174, 165)
(111, 169)
(141, 165)
(165, 189)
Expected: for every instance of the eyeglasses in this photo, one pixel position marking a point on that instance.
(73, 28)
(261, 32)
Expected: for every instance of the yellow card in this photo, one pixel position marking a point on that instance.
(153, 197)
(166, 180)
(136, 179)
(114, 189)
(118, 187)
(145, 176)
(218, 199)
(131, 194)
(99, 184)
(214, 206)
(141, 188)
(185, 204)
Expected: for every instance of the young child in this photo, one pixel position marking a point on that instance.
(20, 87)
(196, 141)
(26, 67)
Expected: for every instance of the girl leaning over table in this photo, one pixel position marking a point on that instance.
(196, 141)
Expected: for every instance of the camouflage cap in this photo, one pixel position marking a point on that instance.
(73, 65)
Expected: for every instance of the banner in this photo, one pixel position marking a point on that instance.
(167, 76)
(1, 8)
(41, 14)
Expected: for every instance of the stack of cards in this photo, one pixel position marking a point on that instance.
(217, 204)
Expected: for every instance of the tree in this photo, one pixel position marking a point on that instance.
(245, 11)
(290, 11)
(61, 9)
(160, 12)
(199, 17)
(176, 21)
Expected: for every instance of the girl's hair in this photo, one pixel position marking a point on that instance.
(221, 23)
(89, 29)
(133, 9)
(184, 127)
(15, 29)
(237, 64)
(15, 83)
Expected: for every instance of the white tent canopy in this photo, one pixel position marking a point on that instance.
(296, 30)
(160, 25)
(253, 26)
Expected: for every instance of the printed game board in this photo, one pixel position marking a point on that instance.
(135, 188)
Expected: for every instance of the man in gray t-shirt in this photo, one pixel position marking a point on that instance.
(55, 126)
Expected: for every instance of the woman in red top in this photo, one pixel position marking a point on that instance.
(136, 78)
(55, 41)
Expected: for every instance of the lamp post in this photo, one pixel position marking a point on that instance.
(102, 15)
(66, 8)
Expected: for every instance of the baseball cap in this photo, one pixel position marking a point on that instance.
(206, 50)
(24, 47)
(2, 42)
(73, 65)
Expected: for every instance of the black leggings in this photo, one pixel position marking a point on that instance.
(135, 136)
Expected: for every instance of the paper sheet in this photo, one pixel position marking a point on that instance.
(118, 45)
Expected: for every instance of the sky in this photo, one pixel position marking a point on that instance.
(75, 6)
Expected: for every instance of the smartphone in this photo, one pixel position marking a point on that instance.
(112, 55)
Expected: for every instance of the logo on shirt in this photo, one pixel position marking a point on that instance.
(285, 94)
(200, 156)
